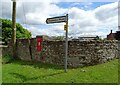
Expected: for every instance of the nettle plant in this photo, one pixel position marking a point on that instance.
(7, 58)
(42, 53)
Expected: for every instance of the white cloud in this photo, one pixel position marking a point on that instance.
(37, 13)
(80, 21)
(82, 18)
(106, 11)
(6, 9)
(33, 12)
(51, 31)
(91, 21)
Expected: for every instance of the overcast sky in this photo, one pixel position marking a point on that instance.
(85, 18)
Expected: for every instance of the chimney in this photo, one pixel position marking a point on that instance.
(111, 31)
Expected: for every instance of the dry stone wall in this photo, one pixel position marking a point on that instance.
(80, 53)
(23, 51)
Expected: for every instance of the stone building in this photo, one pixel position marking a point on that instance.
(117, 36)
(87, 38)
(111, 36)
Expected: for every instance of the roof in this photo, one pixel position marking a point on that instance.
(88, 36)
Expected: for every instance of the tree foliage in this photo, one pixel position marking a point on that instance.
(7, 30)
(58, 37)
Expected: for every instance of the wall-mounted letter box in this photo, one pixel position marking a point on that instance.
(39, 44)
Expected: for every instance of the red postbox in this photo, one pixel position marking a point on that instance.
(39, 44)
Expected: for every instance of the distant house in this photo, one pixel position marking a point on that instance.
(111, 36)
(87, 38)
(75, 39)
(117, 36)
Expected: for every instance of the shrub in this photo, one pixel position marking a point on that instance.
(0, 59)
(7, 58)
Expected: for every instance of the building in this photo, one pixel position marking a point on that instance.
(117, 36)
(88, 38)
(111, 36)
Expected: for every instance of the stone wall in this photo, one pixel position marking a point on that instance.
(23, 51)
(80, 53)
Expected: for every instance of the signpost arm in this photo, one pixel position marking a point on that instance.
(66, 44)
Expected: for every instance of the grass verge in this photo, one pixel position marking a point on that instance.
(26, 72)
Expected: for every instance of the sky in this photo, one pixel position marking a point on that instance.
(85, 18)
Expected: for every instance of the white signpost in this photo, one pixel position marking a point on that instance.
(56, 19)
(59, 20)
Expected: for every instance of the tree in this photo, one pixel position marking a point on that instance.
(58, 37)
(7, 31)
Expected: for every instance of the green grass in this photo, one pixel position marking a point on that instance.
(0, 70)
(26, 72)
